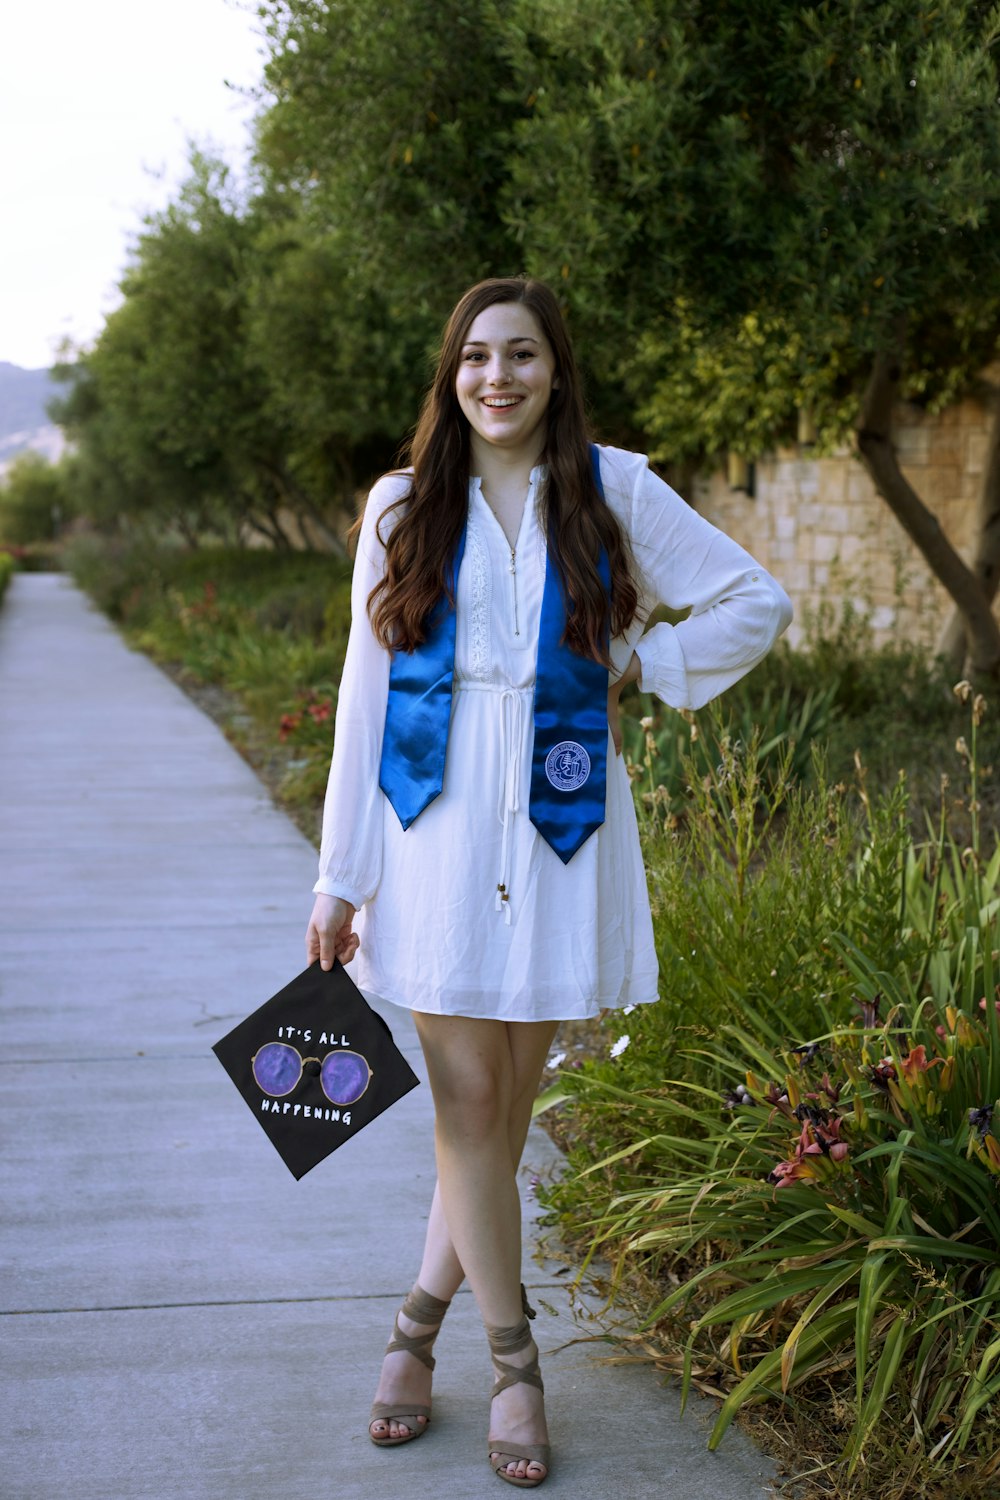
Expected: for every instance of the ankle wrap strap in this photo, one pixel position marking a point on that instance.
(509, 1340)
(421, 1307)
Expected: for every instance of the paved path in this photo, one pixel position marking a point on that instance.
(180, 1319)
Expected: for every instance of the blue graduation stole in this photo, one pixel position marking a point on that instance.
(570, 750)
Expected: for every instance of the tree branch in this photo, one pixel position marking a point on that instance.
(877, 452)
(953, 641)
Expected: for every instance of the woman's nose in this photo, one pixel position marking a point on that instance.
(498, 372)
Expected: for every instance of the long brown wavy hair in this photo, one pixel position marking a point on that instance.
(420, 547)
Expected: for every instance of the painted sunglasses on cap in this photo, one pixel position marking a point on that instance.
(278, 1068)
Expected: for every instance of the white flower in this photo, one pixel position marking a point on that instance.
(557, 1060)
(620, 1045)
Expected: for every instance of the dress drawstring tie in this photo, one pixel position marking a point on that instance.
(510, 744)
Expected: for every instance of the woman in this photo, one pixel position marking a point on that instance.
(478, 813)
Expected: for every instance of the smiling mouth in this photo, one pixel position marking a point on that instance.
(501, 403)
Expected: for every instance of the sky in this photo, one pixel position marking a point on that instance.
(98, 101)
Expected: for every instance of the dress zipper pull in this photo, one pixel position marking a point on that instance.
(513, 575)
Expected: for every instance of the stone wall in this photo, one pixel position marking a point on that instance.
(818, 525)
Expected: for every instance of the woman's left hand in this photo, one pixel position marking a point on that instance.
(632, 673)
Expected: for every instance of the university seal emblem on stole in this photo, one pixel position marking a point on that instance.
(567, 766)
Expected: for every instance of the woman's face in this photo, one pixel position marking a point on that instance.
(506, 374)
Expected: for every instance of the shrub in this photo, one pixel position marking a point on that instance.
(799, 1147)
(35, 499)
(8, 565)
(842, 1212)
(662, 747)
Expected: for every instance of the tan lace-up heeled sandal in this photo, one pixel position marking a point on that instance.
(512, 1341)
(419, 1307)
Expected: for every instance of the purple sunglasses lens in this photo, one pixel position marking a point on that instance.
(277, 1068)
(344, 1077)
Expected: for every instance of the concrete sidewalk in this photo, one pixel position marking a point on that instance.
(181, 1320)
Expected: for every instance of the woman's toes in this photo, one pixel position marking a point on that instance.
(519, 1468)
(383, 1428)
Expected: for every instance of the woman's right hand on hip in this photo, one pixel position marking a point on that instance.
(329, 932)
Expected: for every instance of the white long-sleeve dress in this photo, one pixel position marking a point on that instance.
(572, 938)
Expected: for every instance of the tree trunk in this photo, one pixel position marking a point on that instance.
(304, 507)
(301, 506)
(187, 531)
(953, 642)
(878, 454)
(262, 528)
(282, 539)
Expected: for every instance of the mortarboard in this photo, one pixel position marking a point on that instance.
(315, 1064)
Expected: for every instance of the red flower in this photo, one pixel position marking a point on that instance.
(883, 1074)
(822, 1138)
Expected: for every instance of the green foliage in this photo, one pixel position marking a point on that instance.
(181, 411)
(746, 887)
(341, 371)
(739, 204)
(35, 499)
(793, 184)
(664, 749)
(891, 708)
(844, 1204)
(402, 163)
(8, 567)
(837, 1217)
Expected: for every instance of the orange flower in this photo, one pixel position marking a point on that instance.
(911, 1067)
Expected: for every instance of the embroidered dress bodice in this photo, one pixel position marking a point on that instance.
(497, 599)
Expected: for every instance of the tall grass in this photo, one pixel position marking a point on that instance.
(797, 1153)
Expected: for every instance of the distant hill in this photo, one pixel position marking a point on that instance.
(24, 422)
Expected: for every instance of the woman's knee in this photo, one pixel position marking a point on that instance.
(471, 1081)
(473, 1104)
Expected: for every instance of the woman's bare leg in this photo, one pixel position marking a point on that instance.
(404, 1378)
(483, 1076)
(441, 1271)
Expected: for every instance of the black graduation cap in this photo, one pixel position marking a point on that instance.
(315, 1064)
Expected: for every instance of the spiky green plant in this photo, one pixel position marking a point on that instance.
(843, 1209)
(838, 1215)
